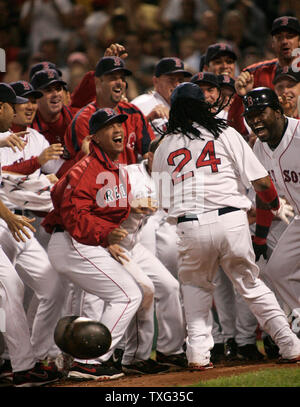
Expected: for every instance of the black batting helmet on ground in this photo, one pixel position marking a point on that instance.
(81, 337)
(259, 99)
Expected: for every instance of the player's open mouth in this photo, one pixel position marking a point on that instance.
(117, 91)
(118, 139)
(286, 50)
(259, 130)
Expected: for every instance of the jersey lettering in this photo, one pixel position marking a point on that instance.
(291, 176)
(176, 178)
(202, 161)
(212, 161)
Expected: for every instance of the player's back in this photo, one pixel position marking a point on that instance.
(207, 173)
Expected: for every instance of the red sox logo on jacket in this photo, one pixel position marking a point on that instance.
(131, 141)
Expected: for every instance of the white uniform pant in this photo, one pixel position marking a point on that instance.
(16, 332)
(225, 241)
(283, 267)
(94, 270)
(155, 281)
(235, 317)
(34, 268)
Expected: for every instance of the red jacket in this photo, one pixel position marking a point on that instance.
(85, 91)
(54, 133)
(138, 132)
(91, 199)
(264, 73)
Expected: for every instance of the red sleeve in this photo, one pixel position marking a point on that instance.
(77, 130)
(69, 163)
(235, 118)
(145, 135)
(26, 167)
(85, 91)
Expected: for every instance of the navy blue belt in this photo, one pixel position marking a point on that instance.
(221, 211)
(22, 212)
(58, 228)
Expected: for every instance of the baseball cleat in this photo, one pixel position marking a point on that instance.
(6, 370)
(149, 366)
(217, 353)
(249, 352)
(178, 360)
(196, 367)
(39, 375)
(230, 351)
(100, 372)
(288, 361)
(271, 349)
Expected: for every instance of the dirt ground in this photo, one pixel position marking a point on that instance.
(178, 378)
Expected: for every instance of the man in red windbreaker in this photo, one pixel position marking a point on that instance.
(110, 84)
(285, 39)
(90, 202)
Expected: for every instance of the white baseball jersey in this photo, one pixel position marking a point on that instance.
(146, 103)
(142, 186)
(36, 143)
(200, 175)
(283, 163)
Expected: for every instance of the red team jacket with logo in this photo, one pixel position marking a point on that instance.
(263, 73)
(138, 132)
(91, 199)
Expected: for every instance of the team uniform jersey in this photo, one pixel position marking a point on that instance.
(35, 144)
(88, 203)
(200, 175)
(264, 73)
(283, 163)
(146, 103)
(142, 186)
(138, 132)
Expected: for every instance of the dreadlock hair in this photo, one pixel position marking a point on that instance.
(185, 111)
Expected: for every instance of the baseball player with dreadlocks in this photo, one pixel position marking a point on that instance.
(205, 167)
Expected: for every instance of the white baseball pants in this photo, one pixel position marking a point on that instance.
(225, 240)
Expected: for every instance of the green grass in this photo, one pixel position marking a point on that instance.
(282, 377)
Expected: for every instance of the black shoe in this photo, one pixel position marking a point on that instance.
(178, 360)
(230, 349)
(39, 375)
(6, 370)
(271, 349)
(217, 353)
(145, 367)
(249, 352)
(100, 372)
(116, 358)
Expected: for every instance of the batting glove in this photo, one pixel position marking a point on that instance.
(285, 211)
(260, 247)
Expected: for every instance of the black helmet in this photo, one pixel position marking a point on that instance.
(259, 99)
(187, 90)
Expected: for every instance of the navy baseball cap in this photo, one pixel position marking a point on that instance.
(206, 77)
(44, 78)
(226, 80)
(187, 90)
(286, 73)
(102, 117)
(167, 66)
(23, 88)
(111, 64)
(217, 50)
(8, 95)
(41, 66)
(285, 23)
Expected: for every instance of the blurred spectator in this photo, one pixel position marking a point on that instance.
(157, 44)
(289, 8)
(77, 66)
(140, 65)
(256, 29)
(185, 25)
(45, 19)
(234, 29)
(146, 19)
(78, 37)
(97, 18)
(171, 10)
(189, 54)
(252, 55)
(115, 29)
(50, 50)
(210, 23)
